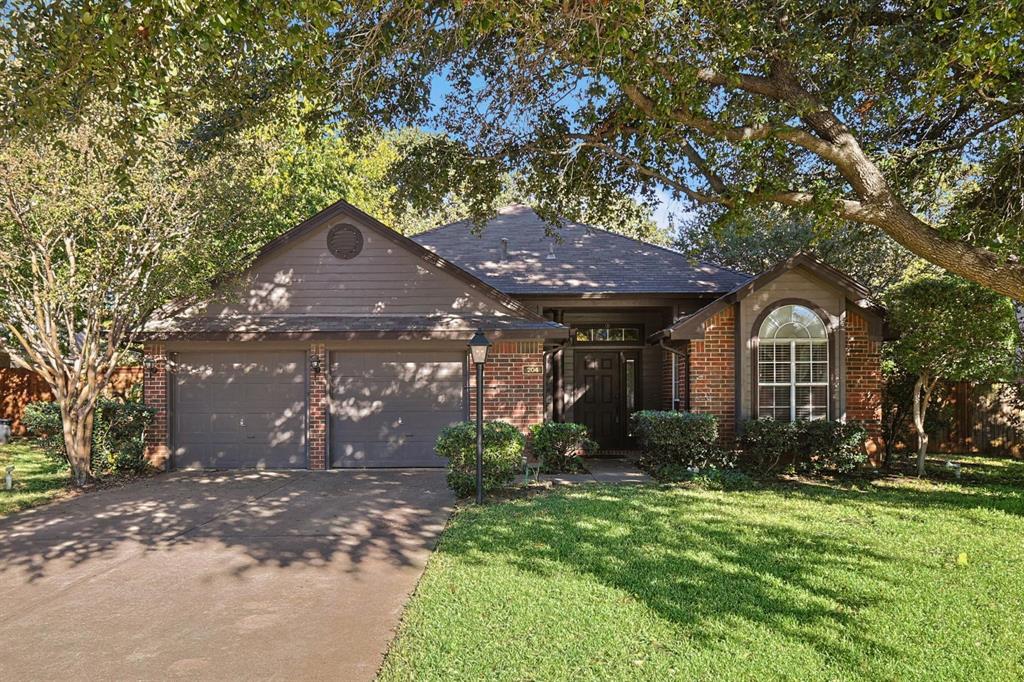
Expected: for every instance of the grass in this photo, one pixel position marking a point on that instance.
(37, 478)
(896, 579)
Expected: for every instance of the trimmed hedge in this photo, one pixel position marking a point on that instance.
(503, 455)
(679, 438)
(118, 433)
(812, 446)
(559, 446)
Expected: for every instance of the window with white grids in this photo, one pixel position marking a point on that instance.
(792, 365)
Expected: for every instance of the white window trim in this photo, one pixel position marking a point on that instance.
(793, 383)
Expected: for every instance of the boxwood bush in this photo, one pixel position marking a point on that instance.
(559, 446)
(503, 455)
(118, 433)
(811, 446)
(679, 438)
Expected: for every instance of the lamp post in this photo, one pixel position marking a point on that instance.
(478, 347)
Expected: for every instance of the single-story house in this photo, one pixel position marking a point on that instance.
(344, 345)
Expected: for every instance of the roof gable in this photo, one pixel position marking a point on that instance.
(692, 326)
(298, 286)
(585, 259)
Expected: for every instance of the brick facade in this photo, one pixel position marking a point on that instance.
(864, 380)
(666, 379)
(154, 393)
(713, 368)
(513, 384)
(316, 444)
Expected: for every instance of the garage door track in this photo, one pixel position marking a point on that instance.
(239, 575)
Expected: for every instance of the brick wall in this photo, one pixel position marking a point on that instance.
(318, 409)
(154, 393)
(864, 380)
(713, 367)
(513, 383)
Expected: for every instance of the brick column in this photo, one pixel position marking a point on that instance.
(154, 394)
(318, 409)
(864, 381)
(513, 384)
(713, 379)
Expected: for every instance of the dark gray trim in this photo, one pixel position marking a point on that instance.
(454, 335)
(833, 365)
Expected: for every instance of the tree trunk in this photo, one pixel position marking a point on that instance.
(922, 394)
(78, 442)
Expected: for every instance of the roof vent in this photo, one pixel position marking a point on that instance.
(504, 249)
(345, 241)
(551, 251)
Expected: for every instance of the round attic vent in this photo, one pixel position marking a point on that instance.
(345, 241)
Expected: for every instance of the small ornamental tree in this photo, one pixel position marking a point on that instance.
(951, 329)
(95, 235)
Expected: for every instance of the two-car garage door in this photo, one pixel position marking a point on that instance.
(242, 409)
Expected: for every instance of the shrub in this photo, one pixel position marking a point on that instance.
(811, 446)
(118, 433)
(503, 455)
(680, 438)
(559, 446)
(830, 446)
(768, 442)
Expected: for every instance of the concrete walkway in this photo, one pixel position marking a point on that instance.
(601, 470)
(243, 575)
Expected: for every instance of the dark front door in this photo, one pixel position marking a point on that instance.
(606, 386)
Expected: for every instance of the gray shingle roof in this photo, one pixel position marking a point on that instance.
(586, 260)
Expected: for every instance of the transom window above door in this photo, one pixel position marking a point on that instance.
(792, 365)
(607, 334)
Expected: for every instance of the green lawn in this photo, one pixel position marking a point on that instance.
(900, 579)
(37, 478)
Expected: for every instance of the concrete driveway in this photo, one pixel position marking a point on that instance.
(237, 575)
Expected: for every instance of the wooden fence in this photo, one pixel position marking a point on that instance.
(19, 387)
(980, 418)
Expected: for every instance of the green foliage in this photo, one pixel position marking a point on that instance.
(813, 447)
(768, 442)
(679, 438)
(952, 329)
(38, 478)
(758, 238)
(559, 446)
(712, 478)
(575, 102)
(502, 459)
(830, 446)
(119, 427)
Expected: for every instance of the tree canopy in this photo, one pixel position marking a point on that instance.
(949, 328)
(898, 115)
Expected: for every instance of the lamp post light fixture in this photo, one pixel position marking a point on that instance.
(148, 365)
(478, 347)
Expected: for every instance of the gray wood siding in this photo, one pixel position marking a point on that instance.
(304, 278)
(797, 283)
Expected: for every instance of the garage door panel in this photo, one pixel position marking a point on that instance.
(240, 409)
(388, 408)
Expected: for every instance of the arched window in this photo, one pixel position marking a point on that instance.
(792, 365)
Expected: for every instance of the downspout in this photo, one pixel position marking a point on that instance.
(684, 355)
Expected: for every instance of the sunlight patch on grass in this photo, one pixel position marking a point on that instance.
(784, 582)
(37, 478)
